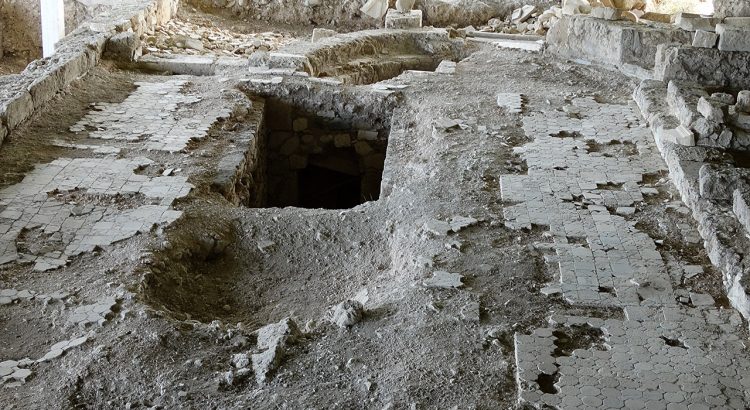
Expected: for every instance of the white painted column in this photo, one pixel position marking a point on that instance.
(53, 24)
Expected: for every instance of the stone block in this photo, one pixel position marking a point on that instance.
(689, 22)
(15, 110)
(683, 98)
(705, 39)
(723, 98)
(397, 20)
(738, 21)
(606, 13)
(179, 64)
(733, 38)
(743, 101)
(321, 33)
(125, 46)
(711, 110)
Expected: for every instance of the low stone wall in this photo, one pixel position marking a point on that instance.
(691, 170)
(346, 15)
(619, 44)
(706, 66)
(22, 94)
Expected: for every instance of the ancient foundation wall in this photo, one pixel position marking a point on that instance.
(346, 14)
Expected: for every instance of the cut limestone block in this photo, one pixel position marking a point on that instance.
(712, 110)
(738, 21)
(733, 38)
(125, 46)
(689, 22)
(397, 20)
(705, 39)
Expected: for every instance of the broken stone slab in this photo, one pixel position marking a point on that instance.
(692, 271)
(403, 21)
(346, 314)
(179, 64)
(274, 339)
(689, 22)
(444, 280)
(733, 38)
(321, 33)
(522, 14)
(605, 13)
(701, 299)
(446, 67)
(443, 228)
(705, 39)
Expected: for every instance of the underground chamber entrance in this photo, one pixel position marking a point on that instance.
(316, 162)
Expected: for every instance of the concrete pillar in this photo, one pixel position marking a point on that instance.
(53, 24)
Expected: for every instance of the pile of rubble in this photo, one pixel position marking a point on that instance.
(719, 120)
(185, 37)
(530, 19)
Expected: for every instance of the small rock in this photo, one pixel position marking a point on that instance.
(347, 314)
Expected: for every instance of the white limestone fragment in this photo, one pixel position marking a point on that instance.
(266, 246)
(274, 339)
(442, 279)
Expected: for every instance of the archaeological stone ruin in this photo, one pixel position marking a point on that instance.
(374, 204)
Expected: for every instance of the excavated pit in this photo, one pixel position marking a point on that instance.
(313, 162)
(225, 261)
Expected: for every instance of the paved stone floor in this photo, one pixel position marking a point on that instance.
(668, 352)
(157, 113)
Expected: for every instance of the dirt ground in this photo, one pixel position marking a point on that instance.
(185, 307)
